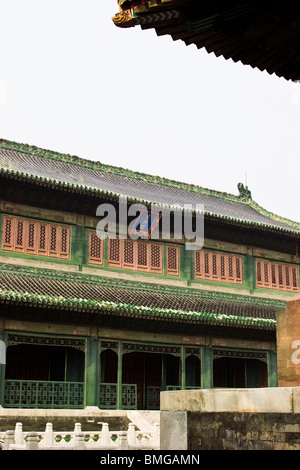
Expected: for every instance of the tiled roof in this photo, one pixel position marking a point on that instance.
(86, 293)
(260, 34)
(50, 168)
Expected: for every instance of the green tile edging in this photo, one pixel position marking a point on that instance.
(85, 305)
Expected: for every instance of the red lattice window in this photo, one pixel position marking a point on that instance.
(277, 276)
(114, 252)
(155, 264)
(42, 239)
(64, 242)
(37, 238)
(129, 254)
(95, 249)
(31, 237)
(135, 255)
(142, 255)
(218, 266)
(7, 234)
(172, 260)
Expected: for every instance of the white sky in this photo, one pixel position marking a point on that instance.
(72, 82)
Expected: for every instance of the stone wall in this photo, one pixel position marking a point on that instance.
(236, 419)
(243, 431)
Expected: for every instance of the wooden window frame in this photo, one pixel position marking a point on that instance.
(116, 260)
(153, 267)
(277, 276)
(25, 237)
(221, 267)
(171, 271)
(92, 259)
(8, 238)
(123, 254)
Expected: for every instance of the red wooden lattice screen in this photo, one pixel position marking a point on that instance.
(95, 249)
(218, 266)
(135, 255)
(277, 276)
(172, 260)
(36, 238)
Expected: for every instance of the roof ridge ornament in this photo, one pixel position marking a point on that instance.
(245, 193)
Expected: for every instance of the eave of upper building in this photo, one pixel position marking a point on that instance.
(71, 173)
(260, 34)
(46, 288)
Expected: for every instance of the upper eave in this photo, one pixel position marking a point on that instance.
(262, 34)
(71, 173)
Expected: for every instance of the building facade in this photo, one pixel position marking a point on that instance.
(91, 320)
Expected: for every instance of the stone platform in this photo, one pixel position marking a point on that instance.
(91, 418)
(219, 419)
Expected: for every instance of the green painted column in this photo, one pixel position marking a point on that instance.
(206, 367)
(249, 273)
(80, 245)
(183, 375)
(272, 369)
(163, 372)
(2, 366)
(92, 378)
(119, 380)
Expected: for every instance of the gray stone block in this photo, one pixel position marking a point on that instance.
(173, 430)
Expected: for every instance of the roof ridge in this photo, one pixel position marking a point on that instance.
(278, 218)
(99, 166)
(243, 198)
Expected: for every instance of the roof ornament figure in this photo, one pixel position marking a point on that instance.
(245, 193)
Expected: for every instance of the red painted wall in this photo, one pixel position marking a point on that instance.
(288, 344)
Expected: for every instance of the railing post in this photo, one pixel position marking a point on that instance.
(32, 441)
(77, 428)
(123, 441)
(19, 439)
(105, 436)
(131, 434)
(8, 439)
(79, 441)
(48, 437)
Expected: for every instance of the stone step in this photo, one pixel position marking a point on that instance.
(140, 421)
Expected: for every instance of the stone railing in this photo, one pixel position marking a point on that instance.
(49, 439)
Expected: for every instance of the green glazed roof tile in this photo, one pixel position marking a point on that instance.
(100, 294)
(84, 176)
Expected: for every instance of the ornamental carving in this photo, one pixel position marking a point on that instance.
(240, 354)
(123, 18)
(151, 348)
(15, 339)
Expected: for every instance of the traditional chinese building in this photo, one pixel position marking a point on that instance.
(111, 322)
